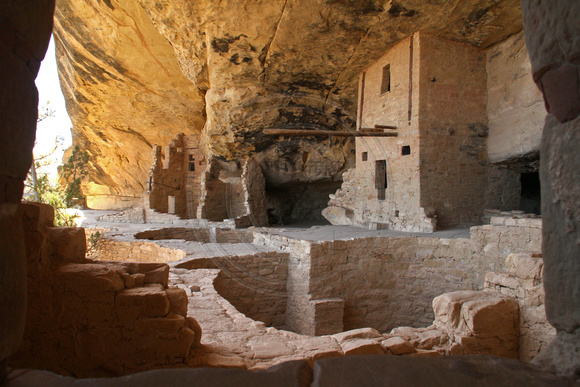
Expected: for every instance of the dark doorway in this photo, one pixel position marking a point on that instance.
(530, 201)
(299, 203)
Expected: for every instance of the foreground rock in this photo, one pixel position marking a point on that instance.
(349, 371)
(97, 319)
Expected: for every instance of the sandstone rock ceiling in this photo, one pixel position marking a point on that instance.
(136, 72)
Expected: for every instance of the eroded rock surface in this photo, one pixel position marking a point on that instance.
(124, 92)
(244, 68)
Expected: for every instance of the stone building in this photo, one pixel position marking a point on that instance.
(453, 120)
(174, 180)
(182, 181)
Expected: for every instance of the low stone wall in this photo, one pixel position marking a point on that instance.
(512, 219)
(255, 285)
(135, 251)
(387, 282)
(523, 281)
(203, 235)
(148, 216)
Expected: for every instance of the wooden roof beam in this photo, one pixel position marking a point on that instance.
(318, 133)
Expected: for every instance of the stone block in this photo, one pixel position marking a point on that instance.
(502, 279)
(270, 349)
(88, 278)
(149, 300)
(447, 308)
(155, 273)
(338, 215)
(166, 327)
(524, 266)
(35, 215)
(361, 333)
(328, 316)
(67, 244)
(194, 326)
(429, 338)
(486, 322)
(221, 361)
(398, 346)
(361, 347)
(177, 301)
(492, 317)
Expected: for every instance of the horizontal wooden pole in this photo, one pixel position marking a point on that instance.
(385, 127)
(372, 130)
(307, 132)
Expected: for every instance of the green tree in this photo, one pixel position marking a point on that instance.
(37, 180)
(72, 175)
(40, 186)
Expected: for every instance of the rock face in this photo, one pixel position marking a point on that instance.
(514, 105)
(555, 67)
(125, 91)
(24, 35)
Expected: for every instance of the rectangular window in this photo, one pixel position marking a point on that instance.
(386, 82)
(406, 150)
(365, 156)
(381, 178)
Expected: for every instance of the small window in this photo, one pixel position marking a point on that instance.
(192, 166)
(406, 150)
(386, 82)
(365, 156)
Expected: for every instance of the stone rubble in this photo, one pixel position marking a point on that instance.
(464, 321)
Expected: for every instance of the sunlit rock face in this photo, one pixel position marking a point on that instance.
(124, 92)
(138, 71)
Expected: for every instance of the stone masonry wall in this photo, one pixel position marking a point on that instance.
(203, 235)
(400, 206)
(387, 282)
(88, 318)
(138, 251)
(523, 281)
(300, 313)
(255, 285)
(174, 179)
(222, 194)
(437, 170)
(453, 127)
(514, 104)
(254, 187)
(165, 177)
